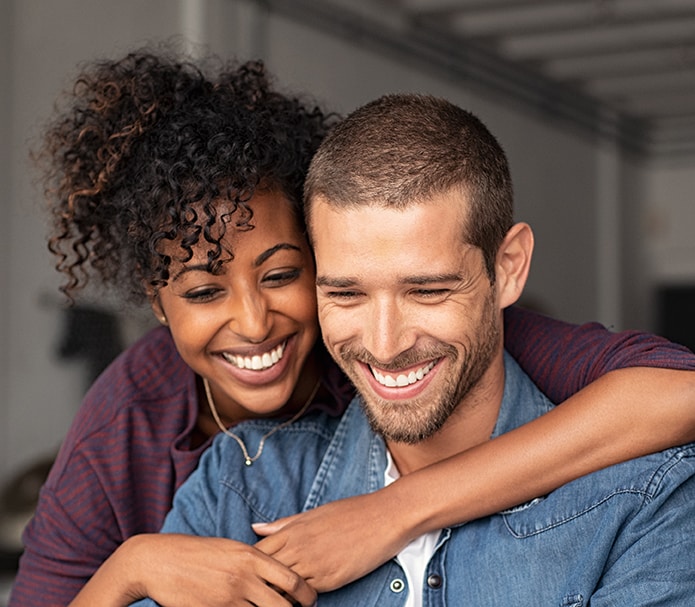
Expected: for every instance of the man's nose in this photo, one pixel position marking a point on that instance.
(387, 331)
(250, 318)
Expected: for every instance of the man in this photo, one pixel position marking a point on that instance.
(409, 208)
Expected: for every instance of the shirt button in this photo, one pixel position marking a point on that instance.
(397, 585)
(434, 581)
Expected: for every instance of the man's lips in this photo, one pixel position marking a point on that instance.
(402, 378)
(401, 384)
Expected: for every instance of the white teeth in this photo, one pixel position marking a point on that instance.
(257, 362)
(402, 379)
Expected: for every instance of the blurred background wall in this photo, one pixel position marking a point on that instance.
(613, 222)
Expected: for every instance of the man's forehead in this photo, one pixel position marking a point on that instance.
(420, 240)
(452, 205)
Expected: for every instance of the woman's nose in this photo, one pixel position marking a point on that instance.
(250, 318)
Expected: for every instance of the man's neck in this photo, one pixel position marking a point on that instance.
(470, 424)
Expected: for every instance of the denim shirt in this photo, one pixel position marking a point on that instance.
(622, 536)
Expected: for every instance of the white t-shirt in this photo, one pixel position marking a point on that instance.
(415, 556)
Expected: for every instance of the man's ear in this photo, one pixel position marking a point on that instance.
(158, 311)
(513, 263)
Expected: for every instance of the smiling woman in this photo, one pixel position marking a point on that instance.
(247, 324)
(181, 184)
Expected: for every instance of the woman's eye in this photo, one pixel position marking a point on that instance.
(279, 279)
(202, 295)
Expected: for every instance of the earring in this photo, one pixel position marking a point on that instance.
(163, 320)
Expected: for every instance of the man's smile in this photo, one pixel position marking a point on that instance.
(392, 380)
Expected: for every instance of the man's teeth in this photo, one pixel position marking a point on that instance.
(402, 380)
(258, 361)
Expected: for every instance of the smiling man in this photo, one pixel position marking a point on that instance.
(412, 316)
(410, 211)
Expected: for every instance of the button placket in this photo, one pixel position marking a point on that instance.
(434, 581)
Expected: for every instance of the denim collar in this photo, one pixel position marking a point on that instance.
(355, 460)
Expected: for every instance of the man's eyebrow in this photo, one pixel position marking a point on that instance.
(336, 283)
(419, 279)
(203, 267)
(428, 279)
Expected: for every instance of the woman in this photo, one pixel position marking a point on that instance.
(182, 187)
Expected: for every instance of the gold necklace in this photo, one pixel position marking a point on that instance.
(248, 460)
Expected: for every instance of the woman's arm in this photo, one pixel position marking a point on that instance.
(629, 411)
(185, 566)
(188, 571)
(562, 358)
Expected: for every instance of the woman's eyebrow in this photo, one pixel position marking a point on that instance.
(270, 252)
(203, 267)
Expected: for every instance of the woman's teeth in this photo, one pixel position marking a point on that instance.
(403, 380)
(257, 362)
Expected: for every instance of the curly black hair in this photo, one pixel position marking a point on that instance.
(146, 147)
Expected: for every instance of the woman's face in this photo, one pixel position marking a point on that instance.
(250, 328)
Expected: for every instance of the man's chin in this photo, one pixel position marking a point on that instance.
(401, 421)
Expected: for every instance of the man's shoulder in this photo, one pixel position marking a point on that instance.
(290, 444)
(285, 460)
(304, 461)
(316, 427)
(640, 485)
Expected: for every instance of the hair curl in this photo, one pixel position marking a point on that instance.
(146, 147)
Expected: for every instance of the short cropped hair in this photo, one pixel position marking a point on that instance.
(405, 148)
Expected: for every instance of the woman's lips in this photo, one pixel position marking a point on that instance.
(257, 362)
(258, 366)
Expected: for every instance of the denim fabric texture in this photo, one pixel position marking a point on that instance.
(621, 536)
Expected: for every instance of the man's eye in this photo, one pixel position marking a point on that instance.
(279, 279)
(343, 295)
(431, 293)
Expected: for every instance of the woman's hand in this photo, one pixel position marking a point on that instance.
(336, 543)
(187, 571)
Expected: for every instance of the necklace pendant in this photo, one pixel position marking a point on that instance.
(248, 461)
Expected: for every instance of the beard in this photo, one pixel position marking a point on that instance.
(415, 420)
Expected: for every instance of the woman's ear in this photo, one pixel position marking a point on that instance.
(158, 311)
(513, 263)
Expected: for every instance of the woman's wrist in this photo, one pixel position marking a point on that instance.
(411, 508)
(132, 560)
(118, 583)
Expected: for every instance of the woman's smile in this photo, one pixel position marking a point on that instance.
(250, 324)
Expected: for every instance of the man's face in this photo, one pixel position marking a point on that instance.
(406, 309)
